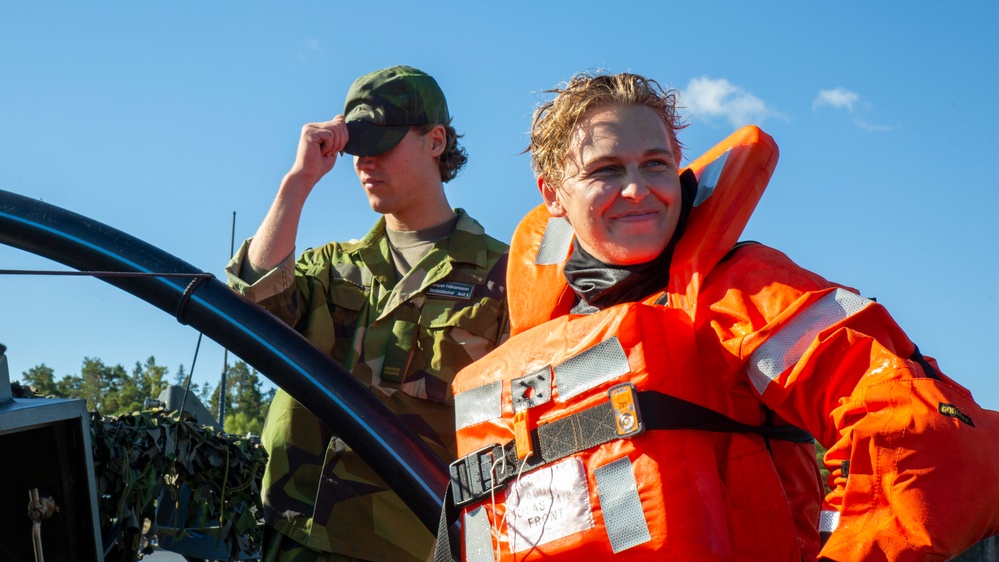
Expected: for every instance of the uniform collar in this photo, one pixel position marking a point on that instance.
(466, 246)
(468, 242)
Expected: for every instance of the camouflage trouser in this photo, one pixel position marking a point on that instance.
(282, 548)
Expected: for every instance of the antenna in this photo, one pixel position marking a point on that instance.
(225, 351)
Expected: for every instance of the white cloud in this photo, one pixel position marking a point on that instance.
(839, 97)
(308, 49)
(720, 98)
(873, 128)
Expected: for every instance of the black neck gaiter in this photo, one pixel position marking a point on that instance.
(599, 285)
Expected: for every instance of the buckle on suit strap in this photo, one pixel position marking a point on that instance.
(477, 474)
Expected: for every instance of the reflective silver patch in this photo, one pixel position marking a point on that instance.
(531, 390)
(548, 504)
(479, 404)
(624, 518)
(581, 372)
(478, 542)
(786, 347)
(555, 242)
(709, 178)
(828, 521)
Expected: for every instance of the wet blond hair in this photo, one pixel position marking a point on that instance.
(555, 121)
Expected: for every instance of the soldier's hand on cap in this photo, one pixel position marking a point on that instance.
(318, 148)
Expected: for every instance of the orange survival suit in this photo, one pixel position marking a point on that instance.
(656, 429)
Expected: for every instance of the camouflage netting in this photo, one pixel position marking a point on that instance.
(145, 455)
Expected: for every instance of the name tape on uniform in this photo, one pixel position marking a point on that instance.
(451, 289)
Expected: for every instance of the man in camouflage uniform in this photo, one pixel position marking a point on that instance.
(404, 309)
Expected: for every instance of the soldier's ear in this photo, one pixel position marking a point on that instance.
(438, 140)
(550, 195)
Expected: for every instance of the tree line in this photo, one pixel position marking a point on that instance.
(111, 390)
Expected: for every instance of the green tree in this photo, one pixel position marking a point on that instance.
(202, 391)
(100, 385)
(70, 386)
(42, 379)
(132, 391)
(205, 393)
(246, 403)
(110, 390)
(149, 379)
(107, 389)
(820, 455)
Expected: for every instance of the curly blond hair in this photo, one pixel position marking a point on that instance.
(554, 121)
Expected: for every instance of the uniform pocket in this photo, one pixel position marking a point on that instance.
(347, 295)
(345, 302)
(449, 335)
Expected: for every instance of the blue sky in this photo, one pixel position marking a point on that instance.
(165, 119)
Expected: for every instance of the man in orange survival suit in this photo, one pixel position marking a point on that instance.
(724, 346)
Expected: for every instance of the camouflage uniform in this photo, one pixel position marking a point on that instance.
(405, 339)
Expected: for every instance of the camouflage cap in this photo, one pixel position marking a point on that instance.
(383, 105)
